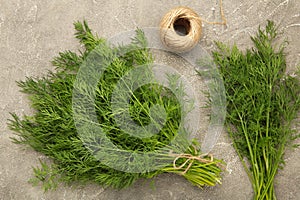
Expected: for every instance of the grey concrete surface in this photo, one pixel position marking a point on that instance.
(32, 32)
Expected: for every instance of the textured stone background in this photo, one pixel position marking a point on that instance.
(32, 32)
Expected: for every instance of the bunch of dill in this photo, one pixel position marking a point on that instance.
(262, 101)
(52, 131)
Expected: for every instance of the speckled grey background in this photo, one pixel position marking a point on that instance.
(32, 32)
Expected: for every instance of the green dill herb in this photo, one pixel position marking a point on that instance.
(262, 103)
(51, 129)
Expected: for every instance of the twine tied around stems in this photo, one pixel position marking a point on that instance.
(190, 158)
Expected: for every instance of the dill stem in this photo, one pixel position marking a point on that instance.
(253, 161)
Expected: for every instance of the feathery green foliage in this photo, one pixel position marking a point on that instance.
(51, 129)
(262, 103)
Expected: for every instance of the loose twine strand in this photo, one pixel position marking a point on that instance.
(193, 25)
(224, 20)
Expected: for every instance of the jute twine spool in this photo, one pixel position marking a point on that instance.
(180, 29)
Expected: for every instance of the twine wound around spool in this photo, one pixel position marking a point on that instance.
(180, 29)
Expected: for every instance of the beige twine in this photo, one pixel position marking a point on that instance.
(190, 158)
(192, 23)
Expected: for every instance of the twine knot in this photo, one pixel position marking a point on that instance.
(190, 158)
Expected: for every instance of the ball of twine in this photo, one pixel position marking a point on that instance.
(180, 29)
